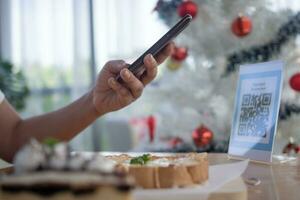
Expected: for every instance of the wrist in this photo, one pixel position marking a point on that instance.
(96, 112)
(99, 108)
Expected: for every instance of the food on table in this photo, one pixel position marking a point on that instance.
(49, 171)
(150, 171)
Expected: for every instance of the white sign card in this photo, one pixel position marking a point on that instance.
(256, 111)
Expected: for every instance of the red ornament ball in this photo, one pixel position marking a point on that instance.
(288, 148)
(187, 7)
(151, 122)
(241, 26)
(174, 142)
(295, 82)
(202, 136)
(179, 53)
(291, 148)
(297, 149)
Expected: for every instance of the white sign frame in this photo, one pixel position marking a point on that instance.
(257, 105)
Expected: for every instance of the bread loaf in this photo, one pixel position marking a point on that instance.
(182, 170)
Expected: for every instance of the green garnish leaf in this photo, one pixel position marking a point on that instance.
(140, 160)
(137, 161)
(50, 142)
(146, 157)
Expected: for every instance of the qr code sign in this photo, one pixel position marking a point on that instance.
(254, 116)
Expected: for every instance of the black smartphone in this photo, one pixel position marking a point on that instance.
(136, 67)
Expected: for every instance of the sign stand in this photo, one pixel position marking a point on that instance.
(256, 111)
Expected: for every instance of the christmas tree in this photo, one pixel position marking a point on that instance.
(197, 90)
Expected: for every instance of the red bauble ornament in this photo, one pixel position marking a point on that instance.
(179, 53)
(291, 147)
(241, 26)
(187, 7)
(295, 82)
(202, 136)
(174, 142)
(151, 122)
(297, 149)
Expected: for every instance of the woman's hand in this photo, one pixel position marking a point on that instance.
(110, 95)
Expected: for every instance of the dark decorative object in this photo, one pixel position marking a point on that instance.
(287, 109)
(167, 10)
(13, 85)
(216, 146)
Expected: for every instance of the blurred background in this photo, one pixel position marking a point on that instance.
(52, 50)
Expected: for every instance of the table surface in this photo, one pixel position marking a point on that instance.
(278, 180)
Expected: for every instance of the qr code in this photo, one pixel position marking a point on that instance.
(254, 115)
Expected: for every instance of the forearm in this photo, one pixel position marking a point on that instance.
(62, 124)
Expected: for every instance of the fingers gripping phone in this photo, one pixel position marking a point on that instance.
(137, 66)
